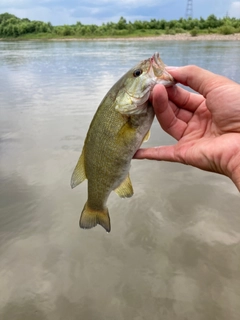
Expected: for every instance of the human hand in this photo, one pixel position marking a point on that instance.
(206, 125)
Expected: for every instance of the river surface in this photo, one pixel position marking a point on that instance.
(174, 248)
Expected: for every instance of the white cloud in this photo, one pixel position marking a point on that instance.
(234, 10)
(60, 12)
(38, 13)
(142, 2)
(55, 15)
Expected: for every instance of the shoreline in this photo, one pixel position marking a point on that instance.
(168, 37)
(165, 37)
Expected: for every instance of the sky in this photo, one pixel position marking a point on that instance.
(60, 12)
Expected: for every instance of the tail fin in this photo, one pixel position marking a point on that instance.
(90, 218)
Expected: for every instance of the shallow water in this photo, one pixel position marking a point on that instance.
(174, 248)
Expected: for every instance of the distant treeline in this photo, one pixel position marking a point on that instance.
(12, 26)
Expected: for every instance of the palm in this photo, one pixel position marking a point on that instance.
(209, 134)
(206, 126)
(202, 141)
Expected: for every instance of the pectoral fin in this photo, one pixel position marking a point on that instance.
(147, 136)
(125, 190)
(79, 174)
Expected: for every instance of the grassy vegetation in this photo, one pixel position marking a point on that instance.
(194, 32)
(14, 27)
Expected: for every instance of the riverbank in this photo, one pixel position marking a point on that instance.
(167, 37)
(178, 37)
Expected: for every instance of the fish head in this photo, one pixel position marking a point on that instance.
(138, 84)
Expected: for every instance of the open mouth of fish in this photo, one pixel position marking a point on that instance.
(156, 75)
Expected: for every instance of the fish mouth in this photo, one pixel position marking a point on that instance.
(156, 58)
(156, 75)
(157, 68)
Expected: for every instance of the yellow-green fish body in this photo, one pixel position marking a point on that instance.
(117, 130)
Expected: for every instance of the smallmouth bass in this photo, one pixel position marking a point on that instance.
(119, 126)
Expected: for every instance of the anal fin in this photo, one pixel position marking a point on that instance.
(125, 190)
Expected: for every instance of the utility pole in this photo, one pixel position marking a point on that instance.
(189, 9)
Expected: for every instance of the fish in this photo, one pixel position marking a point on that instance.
(120, 125)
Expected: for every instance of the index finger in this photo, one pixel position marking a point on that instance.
(184, 99)
(172, 124)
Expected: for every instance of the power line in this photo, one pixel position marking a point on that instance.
(189, 9)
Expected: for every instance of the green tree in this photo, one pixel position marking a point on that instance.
(66, 30)
(12, 26)
(162, 24)
(138, 24)
(7, 16)
(122, 24)
(212, 21)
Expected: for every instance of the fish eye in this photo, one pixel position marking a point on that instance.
(137, 72)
